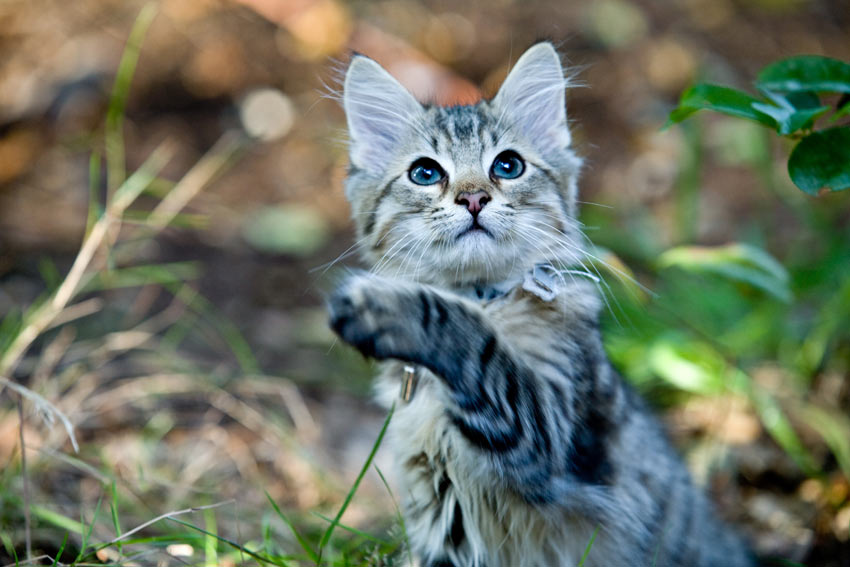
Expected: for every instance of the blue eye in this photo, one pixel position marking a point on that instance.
(426, 171)
(507, 165)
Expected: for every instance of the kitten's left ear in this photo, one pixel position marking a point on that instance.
(533, 97)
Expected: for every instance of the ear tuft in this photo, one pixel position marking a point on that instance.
(379, 110)
(532, 98)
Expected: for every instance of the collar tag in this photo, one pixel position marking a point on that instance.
(408, 383)
(546, 281)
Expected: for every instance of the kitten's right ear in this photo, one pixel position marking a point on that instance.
(378, 109)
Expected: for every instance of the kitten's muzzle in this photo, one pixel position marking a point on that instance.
(474, 226)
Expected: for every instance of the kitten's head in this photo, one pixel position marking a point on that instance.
(463, 194)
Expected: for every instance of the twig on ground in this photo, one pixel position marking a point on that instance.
(170, 515)
(25, 478)
(45, 316)
(213, 163)
(76, 463)
(44, 406)
(33, 561)
(78, 311)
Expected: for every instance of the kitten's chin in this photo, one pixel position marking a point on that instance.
(477, 258)
(475, 238)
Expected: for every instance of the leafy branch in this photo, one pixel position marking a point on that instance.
(793, 92)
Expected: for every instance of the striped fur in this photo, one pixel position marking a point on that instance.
(521, 440)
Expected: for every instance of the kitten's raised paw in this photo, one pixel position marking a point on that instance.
(359, 314)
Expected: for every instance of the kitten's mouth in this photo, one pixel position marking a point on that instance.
(474, 228)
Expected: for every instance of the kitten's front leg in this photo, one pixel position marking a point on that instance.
(495, 394)
(446, 334)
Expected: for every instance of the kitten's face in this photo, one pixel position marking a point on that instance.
(461, 195)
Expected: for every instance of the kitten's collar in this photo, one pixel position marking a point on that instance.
(487, 291)
(544, 280)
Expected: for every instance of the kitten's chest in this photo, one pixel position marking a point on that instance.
(454, 506)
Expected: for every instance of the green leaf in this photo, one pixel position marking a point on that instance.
(822, 160)
(57, 519)
(792, 112)
(687, 365)
(832, 316)
(9, 547)
(49, 273)
(777, 424)
(806, 73)
(843, 108)
(738, 262)
(835, 430)
(720, 99)
(10, 326)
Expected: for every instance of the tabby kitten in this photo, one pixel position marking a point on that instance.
(516, 439)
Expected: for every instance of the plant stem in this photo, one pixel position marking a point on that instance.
(42, 318)
(27, 533)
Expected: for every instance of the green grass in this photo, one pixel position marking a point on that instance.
(109, 537)
(587, 549)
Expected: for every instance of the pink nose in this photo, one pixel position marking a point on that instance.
(473, 202)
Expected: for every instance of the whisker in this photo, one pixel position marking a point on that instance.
(348, 252)
(604, 206)
(598, 279)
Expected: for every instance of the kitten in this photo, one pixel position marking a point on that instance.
(516, 440)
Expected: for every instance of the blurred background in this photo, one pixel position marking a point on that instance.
(193, 360)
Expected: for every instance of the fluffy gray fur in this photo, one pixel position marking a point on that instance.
(521, 440)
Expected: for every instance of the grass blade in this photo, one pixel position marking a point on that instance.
(305, 545)
(95, 208)
(399, 515)
(355, 531)
(87, 534)
(210, 548)
(258, 556)
(227, 329)
(589, 545)
(137, 276)
(57, 519)
(61, 549)
(834, 428)
(114, 508)
(327, 536)
(114, 135)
